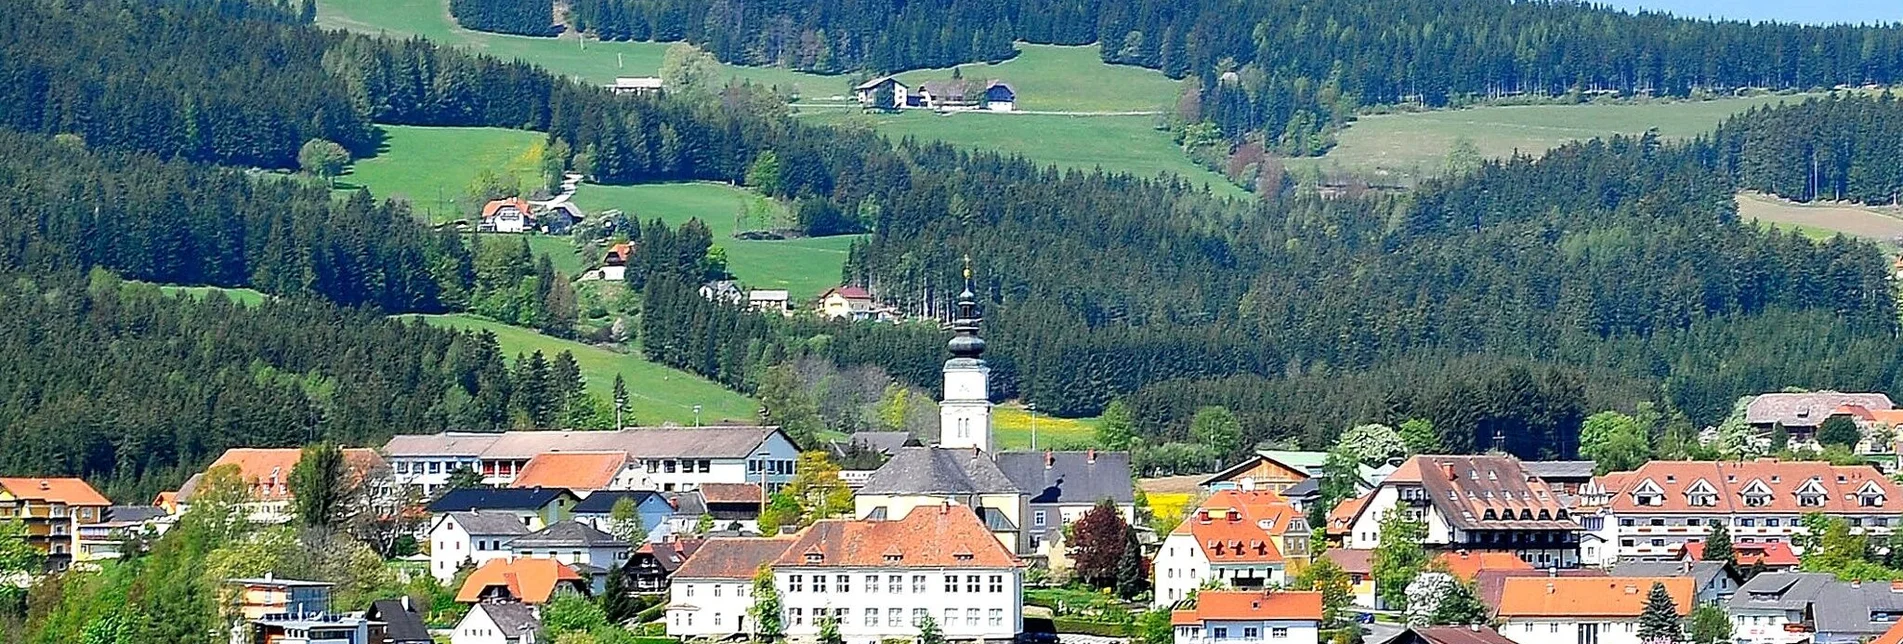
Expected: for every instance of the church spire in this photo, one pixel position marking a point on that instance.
(965, 342)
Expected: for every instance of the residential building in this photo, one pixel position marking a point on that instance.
(1713, 582)
(1281, 470)
(1341, 520)
(1791, 607)
(882, 93)
(1250, 617)
(723, 292)
(497, 623)
(425, 461)
(460, 539)
(1245, 539)
(395, 621)
(1582, 610)
(123, 523)
(933, 476)
(734, 506)
(1359, 564)
(849, 303)
(959, 94)
(53, 511)
(322, 628)
(1466, 566)
(267, 471)
(880, 578)
(509, 215)
(1654, 511)
(581, 472)
(652, 507)
(1561, 477)
(259, 597)
(670, 457)
(529, 581)
(588, 551)
(652, 567)
(534, 507)
(711, 591)
(1062, 486)
(1800, 414)
(1490, 585)
(1472, 634)
(1477, 504)
(1764, 556)
(770, 301)
(1892, 636)
(636, 85)
(614, 264)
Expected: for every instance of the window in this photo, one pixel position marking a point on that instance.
(1625, 522)
(1747, 522)
(1279, 632)
(918, 584)
(1251, 632)
(667, 466)
(950, 620)
(1037, 518)
(1221, 632)
(971, 617)
(893, 616)
(1771, 522)
(951, 583)
(872, 617)
(690, 590)
(872, 583)
(971, 584)
(1658, 522)
(1553, 627)
(797, 616)
(997, 583)
(716, 590)
(895, 584)
(1658, 542)
(435, 467)
(716, 619)
(996, 616)
(793, 584)
(918, 616)
(843, 583)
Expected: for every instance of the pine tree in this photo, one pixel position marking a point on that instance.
(621, 403)
(1130, 579)
(318, 486)
(928, 631)
(1718, 544)
(1660, 623)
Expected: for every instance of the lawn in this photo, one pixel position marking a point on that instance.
(243, 296)
(432, 166)
(803, 266)
(1403, 147)
(1823, 221)
(1129, 144)
(659, 394)
(596, 62)
(1011, 429)
(1068, 79)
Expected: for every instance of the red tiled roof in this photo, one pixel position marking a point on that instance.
(944, 536)
(489, 209)
(268, 470)
(580, 471)
(1892, 636)
(1460, 635)
(1490, 584)
(1235, 526)
(1588, 596)
(1250, 605)
(70, 491)
(1352, 561)
(1467, 564)
(533, 581)
(733, 557)
(1839, 487)
(1485, 492)
(848, 292)
(730, 492)
(1342, 519)
(1773, 554)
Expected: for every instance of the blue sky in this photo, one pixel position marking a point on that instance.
(1811, 11)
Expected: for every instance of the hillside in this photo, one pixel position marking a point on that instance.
(433, 167)
(804, 266)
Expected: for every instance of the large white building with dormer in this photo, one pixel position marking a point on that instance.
(1652, 512)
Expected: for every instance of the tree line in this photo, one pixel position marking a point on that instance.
(522, 17)
(1843, 147)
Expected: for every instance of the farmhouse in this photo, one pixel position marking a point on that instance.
(506, 216)
(636, 85)
(850, 303)
(770, 301)
(614, 263)
(882, 93)
(959, 94)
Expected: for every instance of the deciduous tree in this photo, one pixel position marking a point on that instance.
(1398, 557)
(1096, 544)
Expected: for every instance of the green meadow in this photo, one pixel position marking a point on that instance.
(658, 394)
(1011, 427)
(243, 296)
(432, 167)
(803, 266)
(1067, 79)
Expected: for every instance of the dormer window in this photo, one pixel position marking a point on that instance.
(1701, 494)
(814, 557)
(1648, 494)
(893, 558)
(1812, 494)
(1870, 496)
(1756, 494)
(1489, 515)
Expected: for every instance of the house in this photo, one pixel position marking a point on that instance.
(509, 215)
(267, 471)
(1790, 607)
(105, 539)
(1713, 582)
(497, 623)
(588, 551)
(651, 568)
(734, 506)
(259, 597)
(1476, 504)
(534, 507)
(1448, 635)
(471, 538)
(1280, 470)
(1490, 585)
(770, 301)
(671, 457)
(1341, 520)
(636, 85)
(1467, 566)
(1772, 556)
(1250, 617)
(1000, 96)
(723, 292)
(880, 578)
(653, 509)
(53, 511)
(1562, 477)
(689, 507)
(614, 263)
(848, 303)
(882, 93)
(934, 476)
(1892, 636)
(1582, 610)
(424, 462)
(581, 472)
(530, 581)
(1245, 539)
(1062, 486)
(712, 591)
(1652, 512)
(1800, 414)
(1359, 564)
(323, 628)
(556, 217)
(959, 94)
(395, 621)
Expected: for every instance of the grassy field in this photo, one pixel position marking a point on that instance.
(1068, 79)
(597, 62)
(433, 166)
(804, 266)
(1403, 147)
(1822, 221)
(659, 394)
(1115, 143)
(243, 296)
(1011, 427)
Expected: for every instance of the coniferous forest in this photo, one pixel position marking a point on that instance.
(524, 17)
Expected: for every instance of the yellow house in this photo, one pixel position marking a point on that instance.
(848, 302)
(934, 476)
(52, 510)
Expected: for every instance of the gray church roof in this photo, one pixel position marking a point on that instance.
(1070, 477)
(936, 470)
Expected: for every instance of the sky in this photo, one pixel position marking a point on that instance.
(1809, 11)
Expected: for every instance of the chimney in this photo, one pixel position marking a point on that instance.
(1090, 456)
(1447, 470)
(1473, 627)
(1462, 552)
(1549, 588)
(406, 603)
(44, 485)
(1050, 459)
(1631, 590)
(944, 508)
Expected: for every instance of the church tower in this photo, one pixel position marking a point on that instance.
(964, 417)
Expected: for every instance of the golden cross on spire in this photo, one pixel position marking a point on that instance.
(968, 266)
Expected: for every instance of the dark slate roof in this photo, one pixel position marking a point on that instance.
(884, 442)
(490, 523)
(567, 534)
(689, 504)
(1070, 477)
(1701, 572)
(1549, 470)
(1844, 608)
(934, 470)
(506, 498)
(133, 513)
(401, 625)
(511, 618)
(602, 502)
(1308, 487)
(1781, 590)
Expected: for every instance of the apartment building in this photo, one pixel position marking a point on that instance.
(1250, 617)
(1652, 513)
(1246, 539)
(1582, 610)
(1476, 504)
(661, 458)
(53, 511)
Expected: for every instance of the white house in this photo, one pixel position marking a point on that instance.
(869, 93)
(710, 594)
(880, 579)
(636, 85)
(1243, 538)
(1476, 504)
(670, 458)
(456, 538)
(506, 216)
(426, 461)
(1582, 610)
(589, 551)
(1652, 512)
(497, 623)
(770, 301)
(1250, 617)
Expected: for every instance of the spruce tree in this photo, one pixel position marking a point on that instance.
(1660, 623)
(1718, 544)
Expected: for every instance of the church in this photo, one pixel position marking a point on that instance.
(1024, 497)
